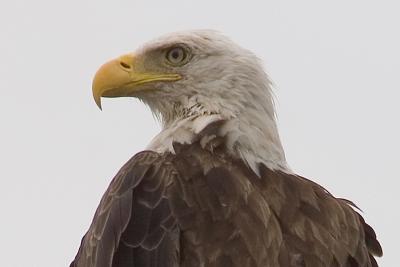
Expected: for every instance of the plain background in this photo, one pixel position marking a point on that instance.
(335, 65)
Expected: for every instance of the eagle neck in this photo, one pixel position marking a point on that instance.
(253, 142)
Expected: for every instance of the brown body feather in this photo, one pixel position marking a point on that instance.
(200, 207)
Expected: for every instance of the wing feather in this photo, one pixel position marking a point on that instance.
(318, 229)
(133, 224)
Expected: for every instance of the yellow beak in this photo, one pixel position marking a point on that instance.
(119, 78)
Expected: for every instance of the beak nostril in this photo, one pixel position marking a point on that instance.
(125, 65)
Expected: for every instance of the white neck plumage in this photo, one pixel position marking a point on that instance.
(249, 136)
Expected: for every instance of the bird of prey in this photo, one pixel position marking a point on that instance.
(213, 188)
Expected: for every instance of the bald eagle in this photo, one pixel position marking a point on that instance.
(213, 187)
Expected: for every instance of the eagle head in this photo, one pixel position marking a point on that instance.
(200, 74)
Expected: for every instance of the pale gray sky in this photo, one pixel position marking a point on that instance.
(335, 65)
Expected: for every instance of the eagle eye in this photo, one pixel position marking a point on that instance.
(177, 56)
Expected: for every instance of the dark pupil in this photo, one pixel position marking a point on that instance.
(175, 54)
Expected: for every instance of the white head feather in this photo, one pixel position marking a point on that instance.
(221, 81)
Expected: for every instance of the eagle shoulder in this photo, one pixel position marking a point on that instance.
(133, 224)
(318, 229)
(202, 207)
